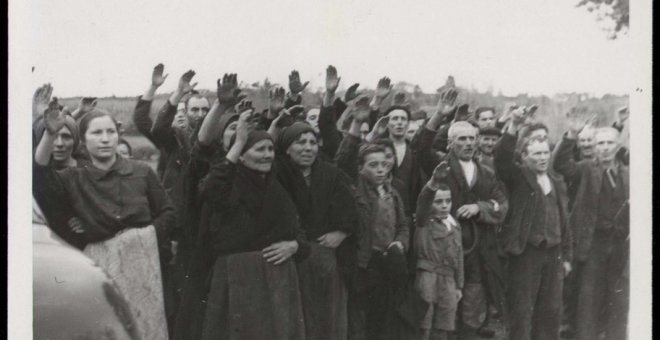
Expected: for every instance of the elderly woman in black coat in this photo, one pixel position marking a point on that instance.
(328, 216)
(255, 232)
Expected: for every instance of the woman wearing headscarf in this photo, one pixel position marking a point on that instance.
(120, 204)
(194, 258)
(321, 193)
(254, 232)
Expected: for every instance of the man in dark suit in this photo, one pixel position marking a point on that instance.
(535, 235)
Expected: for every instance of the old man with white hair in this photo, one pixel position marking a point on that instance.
(479, 204)
(600, 222)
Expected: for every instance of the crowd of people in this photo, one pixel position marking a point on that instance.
(351, 220)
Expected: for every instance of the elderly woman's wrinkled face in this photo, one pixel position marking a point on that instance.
(259, 157)
(63, 145)
(304, 150)
(101, 138)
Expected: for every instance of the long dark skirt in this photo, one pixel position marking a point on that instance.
(252, 299)
(324, 295)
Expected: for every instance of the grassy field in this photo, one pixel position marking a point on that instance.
(551, 109)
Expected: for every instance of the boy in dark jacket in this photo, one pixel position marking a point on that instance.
(382, 243)
(439, 252)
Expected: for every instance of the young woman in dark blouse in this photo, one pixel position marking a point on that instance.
(121, 206)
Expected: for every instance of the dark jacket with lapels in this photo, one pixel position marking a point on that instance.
(526, 201)
(588, 176)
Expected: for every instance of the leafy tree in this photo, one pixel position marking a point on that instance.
(616, 11)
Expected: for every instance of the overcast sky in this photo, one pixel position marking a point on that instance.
(102, 48)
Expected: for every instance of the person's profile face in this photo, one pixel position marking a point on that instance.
(397, 124)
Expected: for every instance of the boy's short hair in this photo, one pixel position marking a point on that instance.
(443, 187)
(368, 149)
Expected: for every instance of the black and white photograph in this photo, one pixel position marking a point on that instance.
(329, 170)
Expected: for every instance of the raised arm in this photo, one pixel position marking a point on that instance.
(427, 195)
(296, 87)
(428, 159)
(328, 117)
(383, 89)
(347, 154)
(504, 152)
(228, 95)
(162, 132)
(141, 118)
(564, 162)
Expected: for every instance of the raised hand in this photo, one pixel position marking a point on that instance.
(576, 123)
(383, 88)
(242, 127)
(440, 173)
(244, 105)
(379, 128)
(518, 116)
(157, 77)
(622, 114)
(53, 117)
(86, 104)
(184, 82)
(399, 98)
(228, 92)
(530, 111)
(351, 93)
(361, 109)
(276, 103)
(447, 101)
(331, 79)
(295, 85)
(40, 100)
